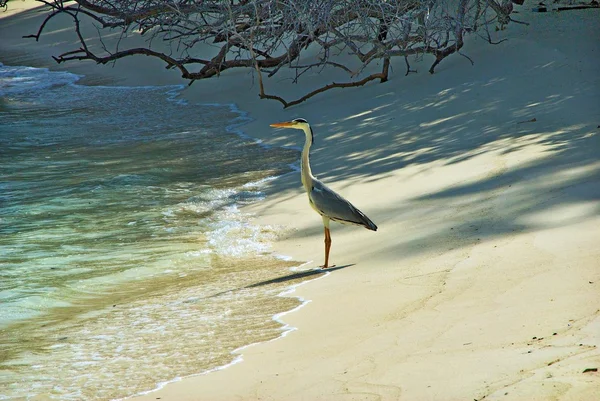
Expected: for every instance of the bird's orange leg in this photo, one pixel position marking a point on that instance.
(327, 247)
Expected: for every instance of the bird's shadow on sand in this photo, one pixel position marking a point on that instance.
(283, 279)
(297, 275)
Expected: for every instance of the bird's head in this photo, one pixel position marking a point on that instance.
(297, 123)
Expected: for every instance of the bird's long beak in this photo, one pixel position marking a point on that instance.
(287, 124)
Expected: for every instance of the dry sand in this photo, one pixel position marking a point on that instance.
(483, 280)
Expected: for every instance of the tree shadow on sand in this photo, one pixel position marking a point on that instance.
(539, 108)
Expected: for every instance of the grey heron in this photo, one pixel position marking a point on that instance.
(324, 200)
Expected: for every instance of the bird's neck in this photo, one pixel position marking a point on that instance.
(306, 173)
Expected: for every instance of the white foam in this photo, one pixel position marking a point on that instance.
(282, 257)
(285, 330)
(231, 233)
(261, 182)
(19, 79)
(236, 237)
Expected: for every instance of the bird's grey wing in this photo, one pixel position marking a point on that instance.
(334, 206)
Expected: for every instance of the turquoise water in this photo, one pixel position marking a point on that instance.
(121, 237)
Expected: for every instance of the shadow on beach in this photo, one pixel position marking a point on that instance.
(462, 114)
(282, 279)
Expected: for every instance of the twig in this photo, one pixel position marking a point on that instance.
(332, 85)
(527, 121)
(382, 76)
(408, 70)
(467, 57)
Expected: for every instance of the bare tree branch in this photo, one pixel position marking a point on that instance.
(270, 35)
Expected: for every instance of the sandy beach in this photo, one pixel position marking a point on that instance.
(483, 280)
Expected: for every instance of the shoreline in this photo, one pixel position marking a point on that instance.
(234, 126)
(485, 262)
(239, 356)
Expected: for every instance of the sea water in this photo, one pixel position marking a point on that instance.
(125, 261)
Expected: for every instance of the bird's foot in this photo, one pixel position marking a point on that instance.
(323, 267)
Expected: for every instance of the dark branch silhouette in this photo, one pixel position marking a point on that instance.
(268, 35)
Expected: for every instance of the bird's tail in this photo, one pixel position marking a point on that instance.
(370, 225)
(367, 222)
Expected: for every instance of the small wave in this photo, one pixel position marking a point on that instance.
(284, 330)
(261, 182)
(141, 211)
(232, 234)
(19, 79)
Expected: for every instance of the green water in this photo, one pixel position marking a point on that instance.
(125, 261)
